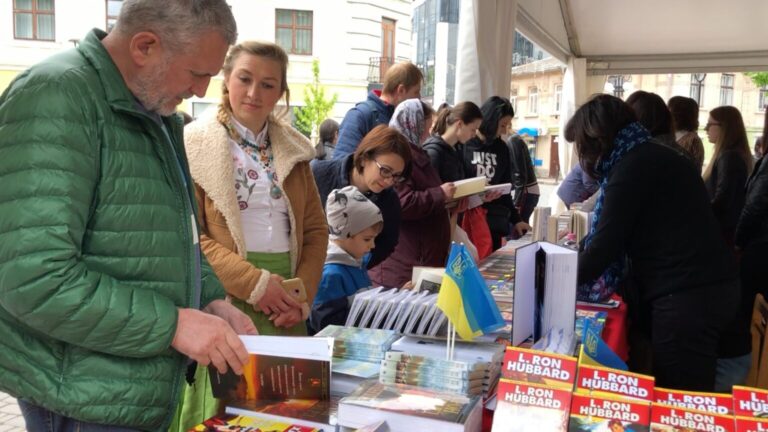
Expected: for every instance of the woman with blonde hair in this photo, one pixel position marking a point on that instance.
(258, 207)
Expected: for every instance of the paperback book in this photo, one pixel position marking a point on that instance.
(750, 402)
(718, 403)
(233, 422)
(665, 418)
(616, 382)
(538, 367)
(608, 413)
(526, 407)
(318, 414)
(408, 408)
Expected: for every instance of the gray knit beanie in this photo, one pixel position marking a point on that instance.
(349, 212)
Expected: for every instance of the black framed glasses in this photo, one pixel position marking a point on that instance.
(387, 173)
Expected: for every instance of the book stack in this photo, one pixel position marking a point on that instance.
(719, 403)
(357, 355)
(437, 374)
(534, 393)
(485, 356)
(751, 409)
(407, 408)
(401, 310)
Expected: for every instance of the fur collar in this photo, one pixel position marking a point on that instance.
(210, 163)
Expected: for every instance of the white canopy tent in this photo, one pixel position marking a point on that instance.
(604, 37)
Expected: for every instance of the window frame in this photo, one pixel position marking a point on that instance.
(533, 101)
(697, 86)
(726, 90)
(294, 27)
(34, 12)
(762, 98)
(558, 98)
(108, 16)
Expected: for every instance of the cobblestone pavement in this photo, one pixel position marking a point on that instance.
(10, 415)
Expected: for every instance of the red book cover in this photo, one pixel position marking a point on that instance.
(718, 403)
(751, 424)
(750, 402)
(665, 418)
(525, 407)
(598, 412)
(539, 367)
(614, 381)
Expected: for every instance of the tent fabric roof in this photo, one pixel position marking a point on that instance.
(650, 36)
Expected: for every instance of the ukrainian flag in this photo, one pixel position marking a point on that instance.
(464, 297)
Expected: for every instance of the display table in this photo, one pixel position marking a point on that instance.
(615, 330)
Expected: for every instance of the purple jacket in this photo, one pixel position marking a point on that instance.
(425, 232)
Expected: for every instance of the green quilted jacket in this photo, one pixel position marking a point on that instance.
(97, 246)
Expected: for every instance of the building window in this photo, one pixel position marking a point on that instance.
(558, 98)
(762, 102)
(533, 100)
(697, 88)
(726, 89)
(293, 31)
(33, 19)
(513, 99)
(113, 10)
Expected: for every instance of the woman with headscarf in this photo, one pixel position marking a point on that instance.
(425, 230)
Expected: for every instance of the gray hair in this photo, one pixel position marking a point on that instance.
(177, 22)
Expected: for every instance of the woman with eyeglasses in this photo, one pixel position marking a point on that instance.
(728, 169)
(725, 178)
(425, 232)
(382, 160)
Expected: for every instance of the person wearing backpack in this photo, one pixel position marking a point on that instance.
(402, 81)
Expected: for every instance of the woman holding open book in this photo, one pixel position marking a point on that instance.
(680, 265)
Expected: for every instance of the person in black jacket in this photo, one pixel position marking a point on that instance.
(382, 159)
(752, 230)
(453, 126)
(680, 265)
(526, 186)
(487, 154)
(729, 167)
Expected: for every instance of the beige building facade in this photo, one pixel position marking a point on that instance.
(537, 88)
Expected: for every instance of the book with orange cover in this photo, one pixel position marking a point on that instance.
(719, 403)
(539, 367)
(602, 412)
(231, 422)
(665, 418)
(614, 381)
(527, 407)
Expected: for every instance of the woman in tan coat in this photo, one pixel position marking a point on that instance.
(259, 209)
(258, 206)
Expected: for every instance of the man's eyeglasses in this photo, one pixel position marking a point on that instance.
(386, 172)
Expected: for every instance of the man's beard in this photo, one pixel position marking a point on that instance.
(149, 90)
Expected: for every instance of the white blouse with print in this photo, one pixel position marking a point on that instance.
(266, 226)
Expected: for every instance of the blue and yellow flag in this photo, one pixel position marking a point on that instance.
(465, 299)
(594, 351)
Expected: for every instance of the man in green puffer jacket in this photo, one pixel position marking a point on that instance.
(101, 275)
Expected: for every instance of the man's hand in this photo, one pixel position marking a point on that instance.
(208, 339)
(287, 319)
(237, 319)
(275, 299)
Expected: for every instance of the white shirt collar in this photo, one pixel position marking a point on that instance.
(247, 133)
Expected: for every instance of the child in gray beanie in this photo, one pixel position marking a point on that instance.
(353, 223)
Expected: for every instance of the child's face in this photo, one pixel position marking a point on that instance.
(360, 243)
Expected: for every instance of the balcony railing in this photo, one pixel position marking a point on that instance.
(377, 67)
